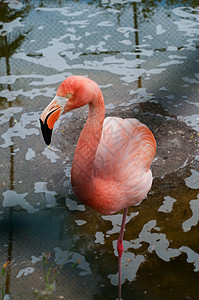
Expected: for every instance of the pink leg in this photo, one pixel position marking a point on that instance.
(120, 250)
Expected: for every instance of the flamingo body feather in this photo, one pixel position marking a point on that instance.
(111, 165)
(121, 176)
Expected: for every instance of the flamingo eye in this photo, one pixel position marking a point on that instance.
(69, 95)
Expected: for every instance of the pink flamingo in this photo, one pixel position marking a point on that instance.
(110, 170)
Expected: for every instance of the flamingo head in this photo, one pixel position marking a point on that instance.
(74, 92)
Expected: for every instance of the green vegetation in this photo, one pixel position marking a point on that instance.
(51, 271)
(2, 278)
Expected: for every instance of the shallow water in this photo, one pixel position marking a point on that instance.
(145, 59)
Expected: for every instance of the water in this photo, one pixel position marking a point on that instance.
(145, 59)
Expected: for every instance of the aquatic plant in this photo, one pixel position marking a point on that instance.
(2, 276)
(51, 271)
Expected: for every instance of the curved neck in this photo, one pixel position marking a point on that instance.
(83, 162)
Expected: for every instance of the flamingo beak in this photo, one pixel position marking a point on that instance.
(48, 118)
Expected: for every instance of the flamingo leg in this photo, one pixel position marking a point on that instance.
(120, 250)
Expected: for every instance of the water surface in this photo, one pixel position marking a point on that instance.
(145, 59)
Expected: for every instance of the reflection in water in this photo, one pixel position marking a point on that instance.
(11, 147)
(9, 254)
(135, 15)
(6, 50)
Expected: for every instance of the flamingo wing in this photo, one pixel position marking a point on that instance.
(121, 175)
(126, 146)
(121, 168)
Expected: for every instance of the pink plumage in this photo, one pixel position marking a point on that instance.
(111, 165)
(121, 175)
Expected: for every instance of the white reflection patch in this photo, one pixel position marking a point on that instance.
(25, 272)
(116, 221)
(192, 257)
(99, 238)
(130, 266)
(193, 181)
(50, 155)
(49, 196)
(64, 257)
(157, 242)
(30, 154)
(167, 205)
(12, 199)
(19, 129)
(193, 221)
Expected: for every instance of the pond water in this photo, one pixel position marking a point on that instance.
(144, 56)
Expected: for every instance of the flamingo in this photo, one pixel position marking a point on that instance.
(111, 165)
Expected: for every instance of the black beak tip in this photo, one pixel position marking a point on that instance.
(46, 132)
